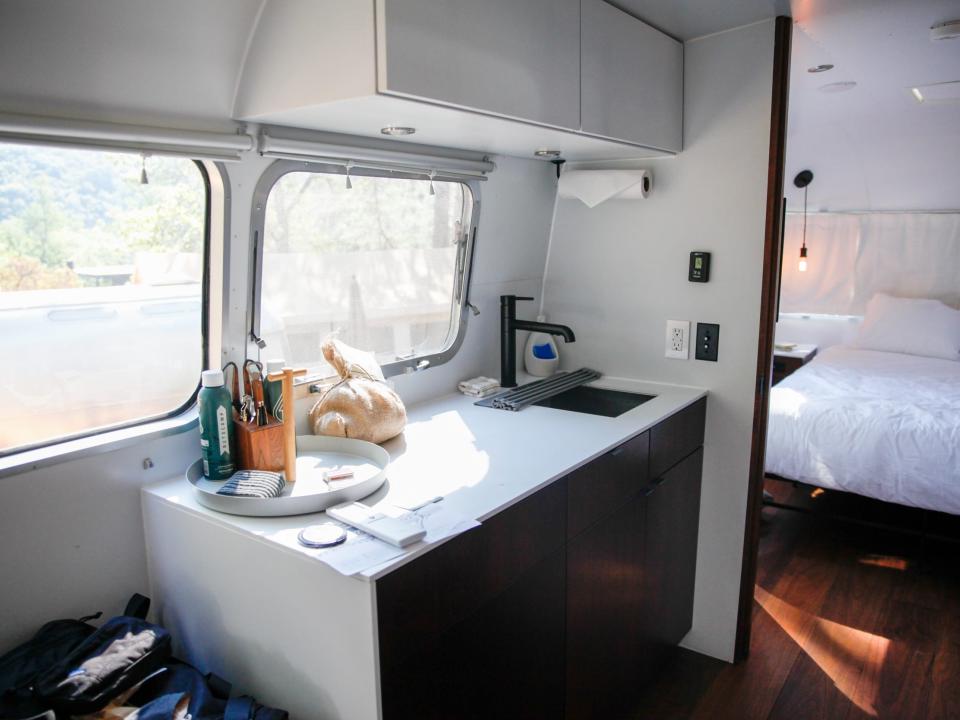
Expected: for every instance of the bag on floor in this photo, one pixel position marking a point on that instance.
(21, 667)
(114, 659)
(206, 697)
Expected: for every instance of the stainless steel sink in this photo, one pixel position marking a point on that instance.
(595, 401)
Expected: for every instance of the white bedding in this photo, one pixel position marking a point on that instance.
(885, 425)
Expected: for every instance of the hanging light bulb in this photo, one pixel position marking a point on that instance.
(433, 174)
(349, 181)
(144, 180)
(803, 179)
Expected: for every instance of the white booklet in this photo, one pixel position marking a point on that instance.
(363, 552)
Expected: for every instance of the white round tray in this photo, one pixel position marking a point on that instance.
(309, 494)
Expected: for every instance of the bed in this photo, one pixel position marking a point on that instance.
(881, 424)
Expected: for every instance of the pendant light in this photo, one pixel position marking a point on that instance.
(802, 180)
(144, 180)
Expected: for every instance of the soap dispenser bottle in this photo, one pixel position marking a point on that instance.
(540, 356)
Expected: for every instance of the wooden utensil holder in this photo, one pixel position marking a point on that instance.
(260, 447)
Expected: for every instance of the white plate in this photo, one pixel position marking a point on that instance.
(309, 494)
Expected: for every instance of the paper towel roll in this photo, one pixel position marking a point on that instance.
(593, 187)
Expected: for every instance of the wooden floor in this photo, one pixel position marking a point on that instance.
(849, 622)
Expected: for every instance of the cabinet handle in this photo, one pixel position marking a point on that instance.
(617, 451)
(652, 487)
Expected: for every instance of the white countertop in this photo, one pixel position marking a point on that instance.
(481, 460)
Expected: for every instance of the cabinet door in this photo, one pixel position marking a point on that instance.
(671, 440)
(600, 487)
(670, 549)
(605, 643)
(631, 79)
(425, 597)
(520, 59)
(505, 661)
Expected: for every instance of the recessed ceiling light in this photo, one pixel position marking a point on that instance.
(820, 68)
(917, 94)
(546, 153)
(837, 87)
(397, 130)
(949, 30)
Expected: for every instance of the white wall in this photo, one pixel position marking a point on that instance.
(618, 272)
(516, 207)
(72, 534)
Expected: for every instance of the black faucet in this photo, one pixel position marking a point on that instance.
(508, 338)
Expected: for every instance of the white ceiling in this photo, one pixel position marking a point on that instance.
(172, 62)
(873, 147)
(176, 63)
(688, 19)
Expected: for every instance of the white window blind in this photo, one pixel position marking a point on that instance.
(852, 256)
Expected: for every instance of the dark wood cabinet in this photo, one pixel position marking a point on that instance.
(676, 437)
(429, 595)
(671, 520)
(559, 605)
(788, 362)
(605, 579)
(600, 487)
(504, 661)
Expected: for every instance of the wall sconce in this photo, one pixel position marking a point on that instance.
(802, 180)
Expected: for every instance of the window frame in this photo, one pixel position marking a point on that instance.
(463, 276)
(7, 454)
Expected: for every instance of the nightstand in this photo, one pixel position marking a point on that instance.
(787, 361)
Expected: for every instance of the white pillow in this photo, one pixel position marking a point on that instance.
(912, 326)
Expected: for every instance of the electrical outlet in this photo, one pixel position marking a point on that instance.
(678, 339)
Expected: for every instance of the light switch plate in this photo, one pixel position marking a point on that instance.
(678, 339)
(708, 341)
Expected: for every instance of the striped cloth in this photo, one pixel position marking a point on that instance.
(253, 484)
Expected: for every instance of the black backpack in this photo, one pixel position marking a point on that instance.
(21, 667)
(116, 658)
(71, 668)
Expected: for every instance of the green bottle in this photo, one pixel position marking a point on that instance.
(216, 426)
(273, 390)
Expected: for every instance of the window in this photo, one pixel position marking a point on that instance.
(101, 290)
(381, 261)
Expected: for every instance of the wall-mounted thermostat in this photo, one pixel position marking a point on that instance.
(699, 266)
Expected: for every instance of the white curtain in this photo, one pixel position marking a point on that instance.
(852, 256)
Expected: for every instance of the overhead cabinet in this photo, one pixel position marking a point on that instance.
(518, 59)
(497, 76)
(631, 79)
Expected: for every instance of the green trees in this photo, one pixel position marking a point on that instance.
(62, 209)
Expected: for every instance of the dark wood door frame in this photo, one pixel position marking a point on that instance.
(768, 307)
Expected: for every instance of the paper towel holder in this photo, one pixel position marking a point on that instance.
(554, 156)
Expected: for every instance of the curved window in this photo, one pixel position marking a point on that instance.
(102, 265)
(381, 261)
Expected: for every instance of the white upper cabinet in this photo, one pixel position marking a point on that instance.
(498, 76)
(519, 58)
(631, 85)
